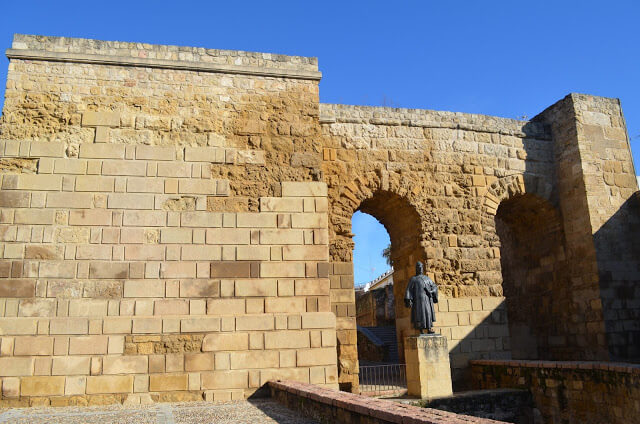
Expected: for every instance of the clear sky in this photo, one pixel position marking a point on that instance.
(498, 57)
(370, 239)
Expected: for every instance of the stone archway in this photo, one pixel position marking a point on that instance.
(402, 222)
(392, 206)
(513, 186)
(530, 237)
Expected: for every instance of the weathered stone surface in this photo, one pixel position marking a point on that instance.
(42, 386)
(110, 384)
(28, 346)
(222, 342)
(428, 357)
(17, 288)
(167, 382)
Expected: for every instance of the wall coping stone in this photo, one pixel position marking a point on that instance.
(79, 50)
(385, 410)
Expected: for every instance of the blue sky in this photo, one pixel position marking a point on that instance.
(504, 58)
(370, 238)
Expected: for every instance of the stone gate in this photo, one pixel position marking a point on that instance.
(176, 224)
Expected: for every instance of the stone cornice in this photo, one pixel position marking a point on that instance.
(99, 59)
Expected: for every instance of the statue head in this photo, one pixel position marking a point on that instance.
(419, 268)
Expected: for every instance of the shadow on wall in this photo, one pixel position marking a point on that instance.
(533, 263)
(486, 336)
(618, 254)
(529, 236)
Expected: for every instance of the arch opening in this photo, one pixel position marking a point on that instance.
(533, 264)
(375, 305)
(403, 225)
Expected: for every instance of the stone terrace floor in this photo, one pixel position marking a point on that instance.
(258, 411)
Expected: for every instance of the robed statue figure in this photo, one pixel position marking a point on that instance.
(420, 296)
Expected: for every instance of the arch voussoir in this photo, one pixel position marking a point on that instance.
(514, 185)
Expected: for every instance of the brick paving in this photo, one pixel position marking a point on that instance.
(258, 411)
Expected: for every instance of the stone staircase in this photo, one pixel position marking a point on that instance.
(385, 336)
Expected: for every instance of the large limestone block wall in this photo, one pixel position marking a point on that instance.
(112, 291)
(153, 247)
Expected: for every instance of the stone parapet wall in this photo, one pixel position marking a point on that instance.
(510, 405)
(118, 282)
(569, 392)
(423, 118)
(329, 407)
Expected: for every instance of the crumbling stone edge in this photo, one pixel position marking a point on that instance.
(329, 406)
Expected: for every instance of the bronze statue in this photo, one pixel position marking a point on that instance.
(420, 296)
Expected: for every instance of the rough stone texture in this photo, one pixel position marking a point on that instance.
(569, 392)
(146, 208)
(475, 194)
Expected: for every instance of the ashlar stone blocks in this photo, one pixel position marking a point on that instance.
(129, 296)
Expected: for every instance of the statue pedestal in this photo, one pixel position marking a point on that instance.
(428, 369)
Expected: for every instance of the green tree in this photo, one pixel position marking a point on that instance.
(386, 254)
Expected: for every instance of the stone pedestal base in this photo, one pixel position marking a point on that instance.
(428, 370)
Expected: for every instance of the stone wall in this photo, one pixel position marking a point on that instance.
(598, 221)
(117, 282)
(475, 327)
(444, 174)
(135, 268)
(509, 405)
(569, 392)
(365, 309)
(534, 271)
(171, 102)
(615, 219)
(375, 308)
(122, 157)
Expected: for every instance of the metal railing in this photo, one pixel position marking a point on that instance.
(381, 380)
